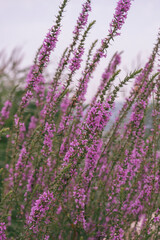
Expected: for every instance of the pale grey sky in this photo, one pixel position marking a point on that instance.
(24, 23)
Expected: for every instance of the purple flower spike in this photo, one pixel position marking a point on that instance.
(120, 16)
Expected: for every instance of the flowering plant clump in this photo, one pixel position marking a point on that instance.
(64, 173)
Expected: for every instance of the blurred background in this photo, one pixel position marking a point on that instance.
(25, 23)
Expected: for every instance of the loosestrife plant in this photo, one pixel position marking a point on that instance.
(64, 176)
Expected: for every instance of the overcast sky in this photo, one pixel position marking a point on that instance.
(25, 23)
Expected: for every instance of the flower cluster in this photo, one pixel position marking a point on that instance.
(4, 114)
(83, 18)
(2, 231)
(26, 98)
(39, 210)
(48, 45)
(69, 169)
(120, 16)
(75, 62)
(98, 117)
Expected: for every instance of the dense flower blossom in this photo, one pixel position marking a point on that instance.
(76, 60)
(22, 155)
(92, 156)
(49, 108)
(120, 16)
(48, 45)
(97, 118)
(39, 210)
(2, 231)
(4, 114)
(47, 143)
(31, 79)
(83, 18)
(94, 125)
(80, 196)
(26, 98)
